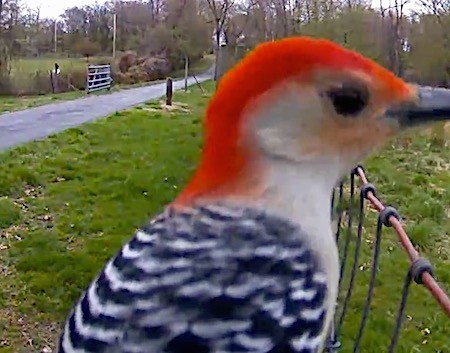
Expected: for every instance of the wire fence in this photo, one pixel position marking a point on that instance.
(420, 270)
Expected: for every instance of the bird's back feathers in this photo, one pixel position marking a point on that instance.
(205, 279)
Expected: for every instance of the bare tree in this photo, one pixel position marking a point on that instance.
(156, 7)
(220, 9)
(439, 9)
(394, 40)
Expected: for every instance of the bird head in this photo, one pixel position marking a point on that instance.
(302, 110)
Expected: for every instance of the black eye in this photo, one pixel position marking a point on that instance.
(349, 99)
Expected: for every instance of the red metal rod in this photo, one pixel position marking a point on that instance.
(428, 281)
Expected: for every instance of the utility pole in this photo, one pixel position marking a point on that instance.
(114, 29)
(56, 34)
(186, 72)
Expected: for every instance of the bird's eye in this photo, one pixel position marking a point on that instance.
(349, 99)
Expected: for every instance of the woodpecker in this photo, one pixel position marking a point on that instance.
(244, 259)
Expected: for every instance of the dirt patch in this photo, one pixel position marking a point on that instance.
(175, 107)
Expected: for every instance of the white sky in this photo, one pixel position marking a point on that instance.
(54, 8)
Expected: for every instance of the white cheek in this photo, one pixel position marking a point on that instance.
(281, 119)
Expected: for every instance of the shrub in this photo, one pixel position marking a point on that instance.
(86, 47)
(77, 78)
(6, 86)
(122, 78)
(41, 84)
(126, 61)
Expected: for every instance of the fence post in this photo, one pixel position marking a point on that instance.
(169, 91)
(186, 72)
(87, 79)
(54, 81)
(51, 82)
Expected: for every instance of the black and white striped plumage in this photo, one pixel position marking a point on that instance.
(205, 279)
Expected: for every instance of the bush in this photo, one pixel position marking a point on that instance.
(77, 78)
(156, 68)
(137, 74)
(86, 47)
(6, 86)
(126, 61)
(41, 84)
(122, 78)
(134, 69)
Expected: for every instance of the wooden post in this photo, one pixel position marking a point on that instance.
(169, 91)
(186, 72)
(52, 82)
(56, 83)
(87, 79)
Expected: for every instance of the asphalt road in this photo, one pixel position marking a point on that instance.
(37, 123)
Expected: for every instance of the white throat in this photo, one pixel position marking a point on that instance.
(303, 194)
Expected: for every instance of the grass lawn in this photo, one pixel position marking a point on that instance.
(23, 68)
(30, 66)
(71, 200)
(10, 104)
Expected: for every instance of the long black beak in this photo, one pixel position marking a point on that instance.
(433, 105)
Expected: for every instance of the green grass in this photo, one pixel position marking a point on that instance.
(415, 180)
(71, 200)
(10, 104)
(24, 67)
(22, 70)
(30, 66)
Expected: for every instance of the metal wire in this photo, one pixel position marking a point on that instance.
(349, 228)
(420, 269)
(428, 281)
(355, 264)
(339, 210)
(401, 311)
(373, 275)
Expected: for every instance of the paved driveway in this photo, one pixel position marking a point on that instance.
(37, 123)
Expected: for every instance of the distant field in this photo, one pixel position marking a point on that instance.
(23, 69)
(25, 73)
(31, 66)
